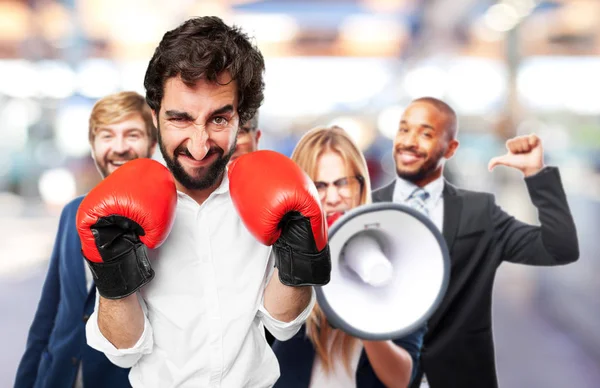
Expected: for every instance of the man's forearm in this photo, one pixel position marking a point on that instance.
(121, 321)
(391, 363)
(285, 303)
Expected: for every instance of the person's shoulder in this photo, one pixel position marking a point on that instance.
(387, 188)
(71, 207)
(467, 193)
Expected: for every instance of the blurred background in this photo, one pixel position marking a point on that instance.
(508, 67)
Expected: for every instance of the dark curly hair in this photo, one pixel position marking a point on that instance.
(204, 47)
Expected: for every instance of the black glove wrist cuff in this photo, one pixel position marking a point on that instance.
(124, 275)
(302, 269)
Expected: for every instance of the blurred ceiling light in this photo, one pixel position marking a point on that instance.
(71, 129)
(57, 186)
(371, 29)
(314, 86)
(131, 21)
(212, 7)
(426, 80)
(386, 5)
(138, 24)
(356, 129)
(56, 79)
(521, 7)
(554, 137)
(16, 116)
(95, 16)
(482, 31)
(476, 86)
(15, 20)
(388, 121)
(362, 35)
(582, 90)
(267, 27)
(18, 78)
(97, 77)
(132, 75)
(581, 15)
(501, 17)
(574, 86)
(55, 21)
(535, 87)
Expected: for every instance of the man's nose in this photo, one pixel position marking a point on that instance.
(198, 145)
(120, 145)
(408, 140)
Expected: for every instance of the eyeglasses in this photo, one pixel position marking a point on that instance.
(346, 186)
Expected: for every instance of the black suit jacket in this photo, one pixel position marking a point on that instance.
(458, 348)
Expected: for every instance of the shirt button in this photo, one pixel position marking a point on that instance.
(74, 360)
(85, 318)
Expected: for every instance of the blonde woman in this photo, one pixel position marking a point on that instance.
(320, 356)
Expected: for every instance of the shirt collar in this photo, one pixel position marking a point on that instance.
(403, 189)
(221, 189)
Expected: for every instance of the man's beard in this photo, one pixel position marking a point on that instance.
(204, 177)
(429, 167)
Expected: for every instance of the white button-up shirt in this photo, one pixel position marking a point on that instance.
(204, 313)
(434, 204)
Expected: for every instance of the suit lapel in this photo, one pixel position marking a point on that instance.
(80, 271)
(385, 194)
(77, 272)
(453, 203)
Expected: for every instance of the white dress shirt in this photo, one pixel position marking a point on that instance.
(434, 204)
(204, 314)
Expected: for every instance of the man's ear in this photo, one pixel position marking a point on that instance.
(154, 118)
(92, 154)
(452, 146)
(257, 136)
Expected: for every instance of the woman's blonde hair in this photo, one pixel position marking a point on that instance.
(311, 146)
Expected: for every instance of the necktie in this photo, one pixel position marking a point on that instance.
(417, 200)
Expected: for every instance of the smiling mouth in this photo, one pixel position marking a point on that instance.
(409, 157)
(117, 163)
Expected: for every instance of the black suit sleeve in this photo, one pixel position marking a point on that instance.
(554, 242)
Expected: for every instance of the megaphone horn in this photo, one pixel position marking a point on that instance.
(390, 270)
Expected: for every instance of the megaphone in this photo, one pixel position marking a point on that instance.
(390, 268)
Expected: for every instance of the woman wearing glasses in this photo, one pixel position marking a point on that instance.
(320, 356)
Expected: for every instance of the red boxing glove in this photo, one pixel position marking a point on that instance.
(132, 208)
(279, 205)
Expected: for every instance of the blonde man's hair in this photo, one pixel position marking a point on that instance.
(117, 107)
(311, 146)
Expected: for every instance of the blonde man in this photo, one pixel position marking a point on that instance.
(319, 355)
(56, 355)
